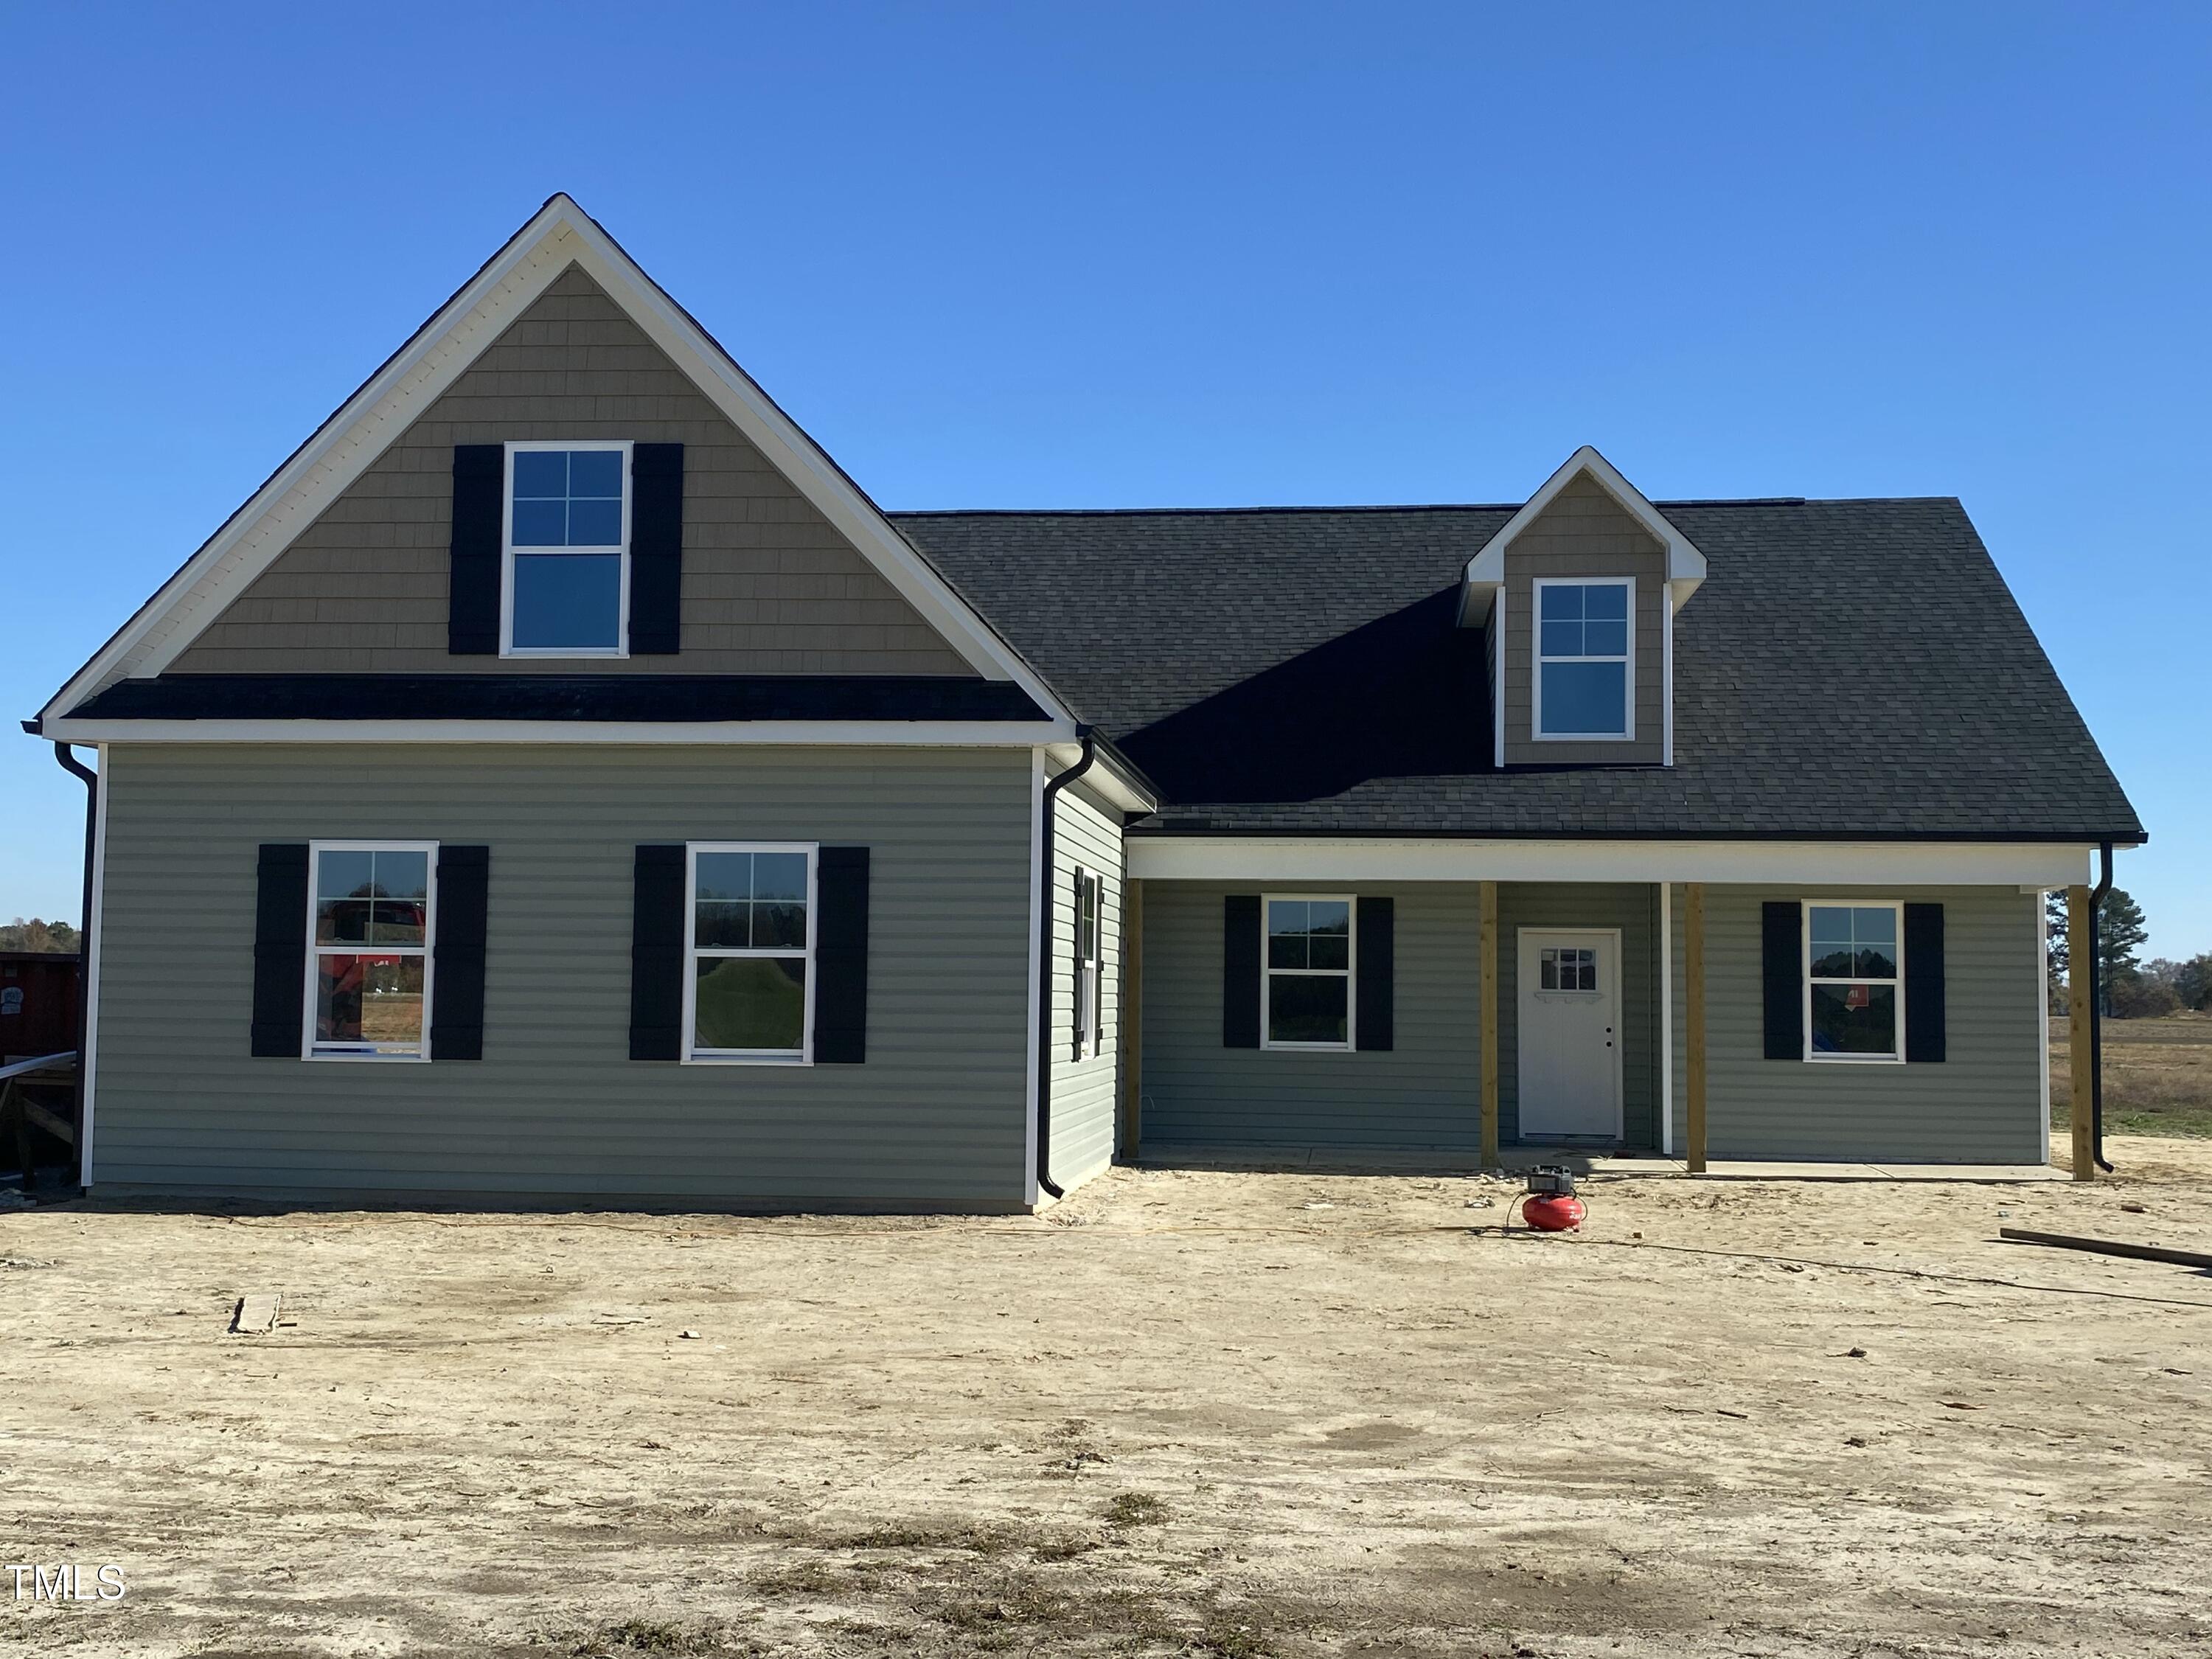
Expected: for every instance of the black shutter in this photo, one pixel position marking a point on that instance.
(841, 955)
(473, 585)
(1782, 972)
(1923, 982)
(457, 983)
(1240, 970)
(280, 949)
(1376, 1021)
(656, 549)
(656, 954)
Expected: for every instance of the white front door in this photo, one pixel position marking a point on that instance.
(1570, 1033)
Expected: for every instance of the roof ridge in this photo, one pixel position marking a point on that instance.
(1378, 506)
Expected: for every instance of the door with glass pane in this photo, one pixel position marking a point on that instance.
(1569, 1034)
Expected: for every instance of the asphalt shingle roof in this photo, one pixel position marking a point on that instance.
(1850, 668)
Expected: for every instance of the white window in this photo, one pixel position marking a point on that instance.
(748, 938)
(1854, 981)
(1585, 659)
(371, 920)
(1566, 968)
(565, 583)
(1089, 890)
(1308, 994)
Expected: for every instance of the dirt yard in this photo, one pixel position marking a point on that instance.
(1206, 1414)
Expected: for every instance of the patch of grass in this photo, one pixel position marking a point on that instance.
(1135, 1508)
(976, 1541)
(2158, 1076)
(647, 1636)
(1227, 1636)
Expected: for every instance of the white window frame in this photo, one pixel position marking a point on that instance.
(1806, 981)
(1087, 1010)
(1537, 659)
(310, 1048)
(507, 645)
(695, 1055)
(1346, 973)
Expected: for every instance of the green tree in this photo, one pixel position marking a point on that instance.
(36, 935)
(2121, 931)
(2192, 981)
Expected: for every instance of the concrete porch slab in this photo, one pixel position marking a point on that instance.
(1450, 1160)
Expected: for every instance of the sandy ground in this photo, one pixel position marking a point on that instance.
(1188, 1413)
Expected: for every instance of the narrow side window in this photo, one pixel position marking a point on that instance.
(372, 925)
(1852, 979)
(566, 550)
(1089, 892)
(1583, 659)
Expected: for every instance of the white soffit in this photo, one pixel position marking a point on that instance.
(1486, 571)
(1933, 864)
(558, 235)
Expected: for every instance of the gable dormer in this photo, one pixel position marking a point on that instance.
(1576, 594)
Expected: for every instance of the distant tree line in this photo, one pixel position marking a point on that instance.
(36, 935)
(2131, 988)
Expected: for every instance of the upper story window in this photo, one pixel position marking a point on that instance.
(1585, 658)
(1852, 978)
(372, 917)
(751, 941)
(1308, 991)
(567, 586)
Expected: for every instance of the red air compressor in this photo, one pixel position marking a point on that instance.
(1551, 1206)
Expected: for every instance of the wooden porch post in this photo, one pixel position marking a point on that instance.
(2081, 952)
(1487, 967)
(1693, 1025)
(1133, 1018)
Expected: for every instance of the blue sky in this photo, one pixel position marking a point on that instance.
(1194, 253)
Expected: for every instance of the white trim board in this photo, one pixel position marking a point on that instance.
(1930, 864)
(558, 235)
(939, 734)
(90, 1060)
(1486, 571)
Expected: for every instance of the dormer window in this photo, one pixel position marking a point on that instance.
(567, 555)
(1585, 656)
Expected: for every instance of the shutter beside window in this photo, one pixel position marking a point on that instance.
(473, 583)
(1782, 972)
(656, 954)
(656, 549)
(1375, 1023)
(1240, 970)
(1924, 982)
(841, 955)
(280, 949)
(457, 980)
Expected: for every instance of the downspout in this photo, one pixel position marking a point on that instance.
(70, 763)
(1046, 887)
(2097, 1004)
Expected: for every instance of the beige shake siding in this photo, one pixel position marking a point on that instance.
(769, 585)
(1585, 533)
(935, 1118)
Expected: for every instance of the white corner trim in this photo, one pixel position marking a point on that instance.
(1031, 1193)
(1497, 682)
(1667, 680)
(1685, 565)
(1666, 1019)
(939, 734)
(88, 1062)
(2043, 1020)
(1348, 860)
(560, 234)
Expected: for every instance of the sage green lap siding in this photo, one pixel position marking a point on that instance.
(770, 586)
(1631, 907)
(937, 1115)
(1983, 1104)
(1427, 1091)
(1083, 1091)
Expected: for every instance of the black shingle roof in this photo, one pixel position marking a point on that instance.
(1853, 669)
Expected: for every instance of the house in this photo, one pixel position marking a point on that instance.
(561, 779)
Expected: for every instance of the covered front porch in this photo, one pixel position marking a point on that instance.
(1363, 1007)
